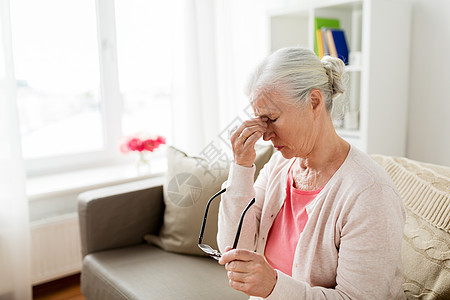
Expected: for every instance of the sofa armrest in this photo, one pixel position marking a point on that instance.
(119, 216)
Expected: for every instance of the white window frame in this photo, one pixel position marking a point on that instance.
(111, 105)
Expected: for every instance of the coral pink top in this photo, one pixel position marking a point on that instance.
(287, 227)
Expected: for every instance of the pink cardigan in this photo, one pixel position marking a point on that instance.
(350, 247)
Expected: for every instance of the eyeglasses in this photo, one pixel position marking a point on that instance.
(207, 248)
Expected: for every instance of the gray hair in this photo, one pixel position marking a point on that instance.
(295, 71)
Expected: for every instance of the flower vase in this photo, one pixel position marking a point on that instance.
(143, 164)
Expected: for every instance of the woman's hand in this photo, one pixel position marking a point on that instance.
(249, 272)
(244, 138)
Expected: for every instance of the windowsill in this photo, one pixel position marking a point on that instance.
(62, 184)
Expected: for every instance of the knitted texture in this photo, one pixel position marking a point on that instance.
(425, 190)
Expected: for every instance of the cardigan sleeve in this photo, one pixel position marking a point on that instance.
(240, 191)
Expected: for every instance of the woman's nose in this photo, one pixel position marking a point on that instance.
(268, 134)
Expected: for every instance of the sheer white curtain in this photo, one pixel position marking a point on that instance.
(220, 43)
(242, 38)
(195, 85)
(15, 278)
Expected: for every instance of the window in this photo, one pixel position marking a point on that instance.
(88, 75)
(57, 71)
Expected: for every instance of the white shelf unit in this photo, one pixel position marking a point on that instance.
(379, 30)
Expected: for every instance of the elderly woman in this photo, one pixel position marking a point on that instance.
(327, 222)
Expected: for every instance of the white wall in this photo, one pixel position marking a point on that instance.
(429, 93)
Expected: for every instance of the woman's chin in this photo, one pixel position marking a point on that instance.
(286, 154)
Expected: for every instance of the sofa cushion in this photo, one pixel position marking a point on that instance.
(190, 182)
(425, 190)
(147, 272)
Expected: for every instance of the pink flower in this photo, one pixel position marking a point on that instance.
(137, 144)
(124, 148)
(161, 140)
(150, 145)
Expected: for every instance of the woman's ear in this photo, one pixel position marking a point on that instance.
(316, 100)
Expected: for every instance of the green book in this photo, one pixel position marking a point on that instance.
(323, 22)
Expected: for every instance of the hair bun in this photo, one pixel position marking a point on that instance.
(335, 69)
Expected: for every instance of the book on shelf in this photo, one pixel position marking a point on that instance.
(326, 51)
(320, 23)
(330, 43)
(340, 44)
(320, 47)
(330, 39)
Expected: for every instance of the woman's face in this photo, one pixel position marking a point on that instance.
(290, 127)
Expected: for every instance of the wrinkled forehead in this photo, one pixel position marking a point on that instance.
(265, 103)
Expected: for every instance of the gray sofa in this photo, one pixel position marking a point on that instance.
(117, 264)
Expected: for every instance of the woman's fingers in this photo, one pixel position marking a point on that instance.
(237, 276)
(246, 129)
(247, 138)
(252, 139)
(244, 138)
(236, 255)
(238, 266)
(228, 248)
(249, 272)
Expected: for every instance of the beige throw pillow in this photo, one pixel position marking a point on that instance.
(190, 182)
(425, 190)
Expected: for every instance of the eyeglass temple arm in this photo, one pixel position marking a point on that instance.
(238, 233)
(206, 213)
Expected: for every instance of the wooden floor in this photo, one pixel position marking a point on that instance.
(62, 289)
